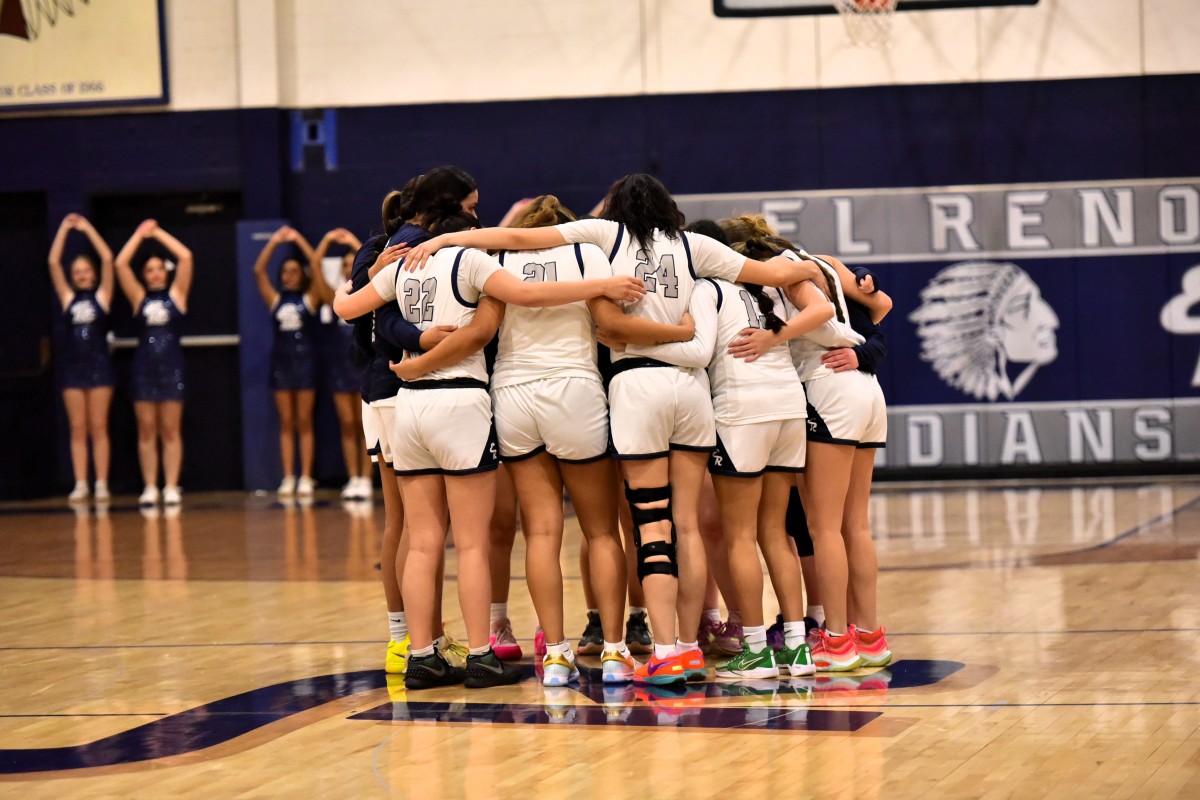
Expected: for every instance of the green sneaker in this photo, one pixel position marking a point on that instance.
(797, 660)
(749, 664)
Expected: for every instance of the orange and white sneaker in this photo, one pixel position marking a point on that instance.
(834, 653)
(872, 646)
(662, 671)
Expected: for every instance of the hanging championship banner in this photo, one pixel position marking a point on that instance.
(71, 53)
(1033, 324)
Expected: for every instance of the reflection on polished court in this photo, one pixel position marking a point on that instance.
(1045, 637)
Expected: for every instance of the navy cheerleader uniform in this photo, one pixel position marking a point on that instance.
(344, 375)
(293, 355)
(85, 362)
(158, 360)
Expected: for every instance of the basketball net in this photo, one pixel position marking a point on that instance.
(868, 22)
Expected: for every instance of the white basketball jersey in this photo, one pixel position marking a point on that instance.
(806, 351)
(667, 267)
(765, 389)
(445, 291)
(554, 342)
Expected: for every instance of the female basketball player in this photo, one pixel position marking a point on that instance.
(345, 378)
(847, 421)
(159, 304)
(293, 379)
(442, 434)
(385, 335)
(662, 422)
(552, 428)
(85, 367)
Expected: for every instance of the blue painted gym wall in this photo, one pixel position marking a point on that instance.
(921, 135)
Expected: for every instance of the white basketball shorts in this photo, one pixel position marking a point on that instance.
(565, 417)
(443, 432)
(847, 408)
(654, 410)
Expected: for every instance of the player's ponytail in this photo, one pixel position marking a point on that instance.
(753, 227)
(766, 305)
(543, 211)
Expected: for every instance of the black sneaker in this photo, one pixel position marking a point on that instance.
(591, 643)
(427, 672)
(811, 625)
(488, 670)
(637, 634)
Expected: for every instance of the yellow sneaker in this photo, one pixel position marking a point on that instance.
(454, 653)
(396, 661)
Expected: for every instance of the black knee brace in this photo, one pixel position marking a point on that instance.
(645, 516)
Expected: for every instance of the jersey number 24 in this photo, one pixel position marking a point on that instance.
(654, 276)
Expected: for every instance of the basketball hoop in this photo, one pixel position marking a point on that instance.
(868, 22)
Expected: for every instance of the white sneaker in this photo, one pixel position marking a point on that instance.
(102, 495)
(80, 492)
(305, 486)
(365, 488)
(172, 495)
(350, 490)
(149, 496)
(287, 487)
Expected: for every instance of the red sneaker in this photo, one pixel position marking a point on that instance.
(872, 646)
(834, 653)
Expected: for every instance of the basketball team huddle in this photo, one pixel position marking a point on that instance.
(709, 388)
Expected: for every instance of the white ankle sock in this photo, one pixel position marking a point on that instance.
(563, 648)
(499, 611)
(713, 614)
(480, 651)
(397, 625)
(683, 647)
(620, 647)
(422, 652)
(637, 610)
(817, 613)
(663, 650)
(793, 634)
(755, 637)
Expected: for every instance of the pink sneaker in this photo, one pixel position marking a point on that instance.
(503, 642)
(707, 635)
(728, 640)
(539, 643)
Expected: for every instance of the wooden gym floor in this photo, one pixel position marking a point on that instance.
(1044, 635)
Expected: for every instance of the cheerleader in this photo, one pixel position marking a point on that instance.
(442, 435)
(85, 368)
(293, 370)
(662, 418)
(345, 377)
(160, 303)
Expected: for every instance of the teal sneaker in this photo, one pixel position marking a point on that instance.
(749, 664)
(797, 660)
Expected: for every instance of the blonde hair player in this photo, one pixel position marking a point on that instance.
(552, 428)
(662, 423)
(442, 436)
(847, 420)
